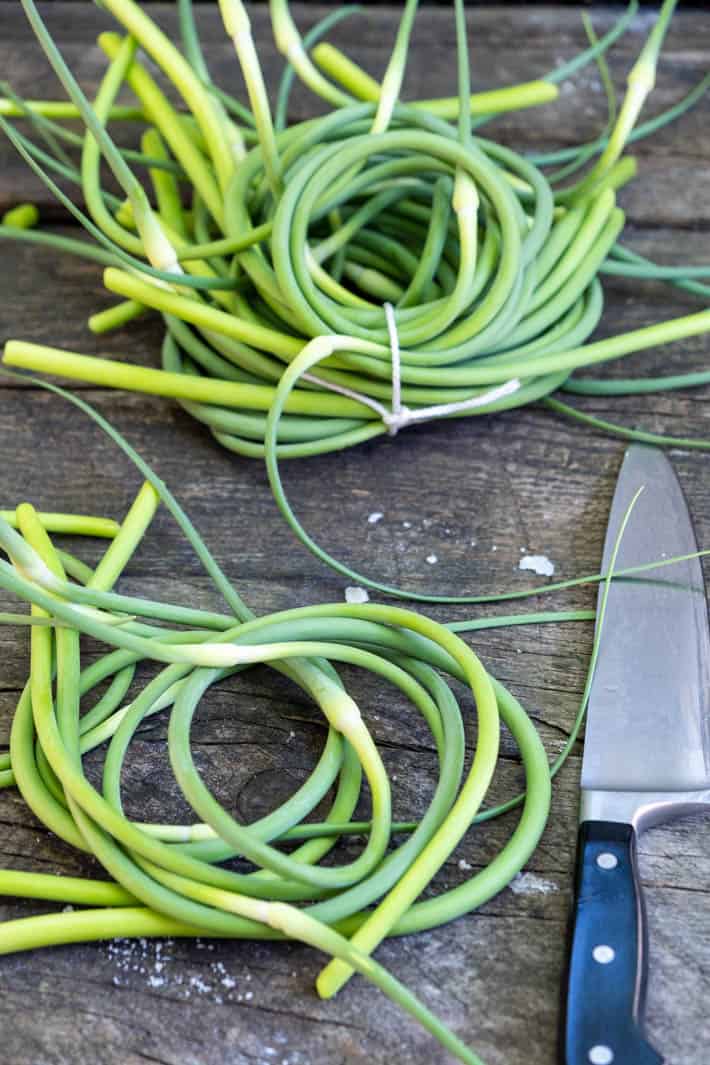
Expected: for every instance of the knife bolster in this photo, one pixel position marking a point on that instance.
(642, 809)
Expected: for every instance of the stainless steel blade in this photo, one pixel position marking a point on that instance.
(648, 725)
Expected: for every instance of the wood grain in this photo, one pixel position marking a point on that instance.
(475, 494)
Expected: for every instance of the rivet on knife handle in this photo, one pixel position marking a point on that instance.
(607, 966)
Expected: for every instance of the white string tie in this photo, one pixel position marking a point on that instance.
(399, 415)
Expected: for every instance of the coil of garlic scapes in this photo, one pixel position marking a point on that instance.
(168, 879)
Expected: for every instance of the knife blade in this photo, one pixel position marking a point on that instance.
(646, 756)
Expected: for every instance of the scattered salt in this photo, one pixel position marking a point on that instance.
(539, 564)
(376, 516)
(530, 884)
(199, 984)
(431, 559)
(354, 594)
(407, 524)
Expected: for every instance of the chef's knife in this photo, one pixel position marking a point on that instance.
(646, 756)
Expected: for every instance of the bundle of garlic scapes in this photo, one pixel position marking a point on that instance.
(375, 267)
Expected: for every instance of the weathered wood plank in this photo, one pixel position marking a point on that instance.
(504, 48)
(37, 282)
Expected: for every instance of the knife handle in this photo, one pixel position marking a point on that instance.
(607, 964)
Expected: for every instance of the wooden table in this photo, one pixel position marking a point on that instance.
(474, 493)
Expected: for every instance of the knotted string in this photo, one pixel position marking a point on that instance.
(399, 416)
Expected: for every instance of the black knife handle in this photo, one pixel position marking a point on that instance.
(607, 964)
